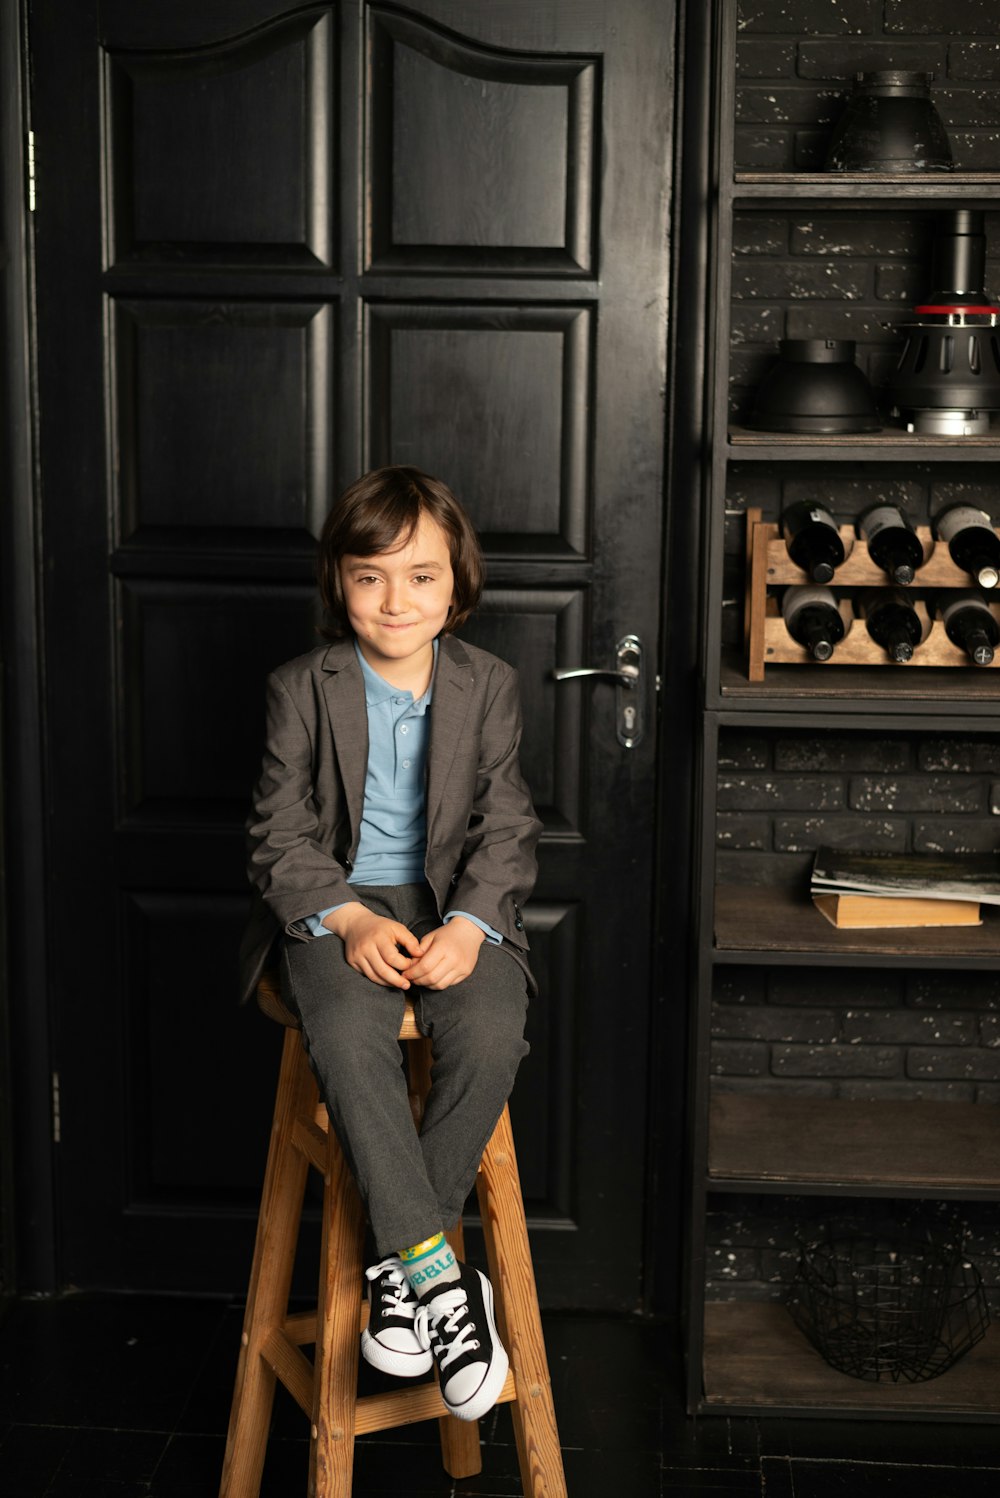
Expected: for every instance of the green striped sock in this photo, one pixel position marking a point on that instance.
(429, 1264)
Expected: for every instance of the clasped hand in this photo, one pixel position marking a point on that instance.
(390, 955)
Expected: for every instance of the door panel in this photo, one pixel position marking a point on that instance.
(188, 131)
(188, 375)
(281, 247)
(480, 159)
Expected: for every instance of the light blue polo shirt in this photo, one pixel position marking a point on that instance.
(392, 845)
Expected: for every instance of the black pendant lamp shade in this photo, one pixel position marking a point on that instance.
(815, 387)
(890, 125)
(948, 376)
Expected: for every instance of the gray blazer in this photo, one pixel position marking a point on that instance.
(306, 820)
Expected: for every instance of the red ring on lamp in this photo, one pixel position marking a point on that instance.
(964, 307)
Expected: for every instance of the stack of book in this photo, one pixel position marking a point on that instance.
(904, 889)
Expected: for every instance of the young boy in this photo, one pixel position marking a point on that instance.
(392, 843)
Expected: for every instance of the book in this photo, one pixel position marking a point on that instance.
(875, 912)
(892, 876)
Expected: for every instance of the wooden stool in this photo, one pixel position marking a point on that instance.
(326, 1388)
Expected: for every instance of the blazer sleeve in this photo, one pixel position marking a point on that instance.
(498, 868)
(288, 864)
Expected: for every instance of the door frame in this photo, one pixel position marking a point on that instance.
(29, 1256)
(674, 958)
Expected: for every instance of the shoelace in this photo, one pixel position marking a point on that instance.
(397, 1294)
(448, 1307)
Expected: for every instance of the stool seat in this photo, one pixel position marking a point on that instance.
(326, 1387)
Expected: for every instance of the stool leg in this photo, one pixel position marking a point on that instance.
(419, 1060)
(335, 1386)
(509, 1256)
(461, 1454)
(270, 1277)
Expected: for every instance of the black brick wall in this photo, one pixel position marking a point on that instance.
(796, 60)
(863, 1035)
(781, 794)
(753, 1242)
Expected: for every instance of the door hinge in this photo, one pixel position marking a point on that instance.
(56, 1110)
(31, 171)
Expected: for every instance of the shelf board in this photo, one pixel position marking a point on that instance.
(816, 1145)
(886, 689)
(890, 187)
(890, 445)
(772, 923)
(757, 1359)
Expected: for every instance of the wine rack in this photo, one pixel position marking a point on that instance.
(769, 566)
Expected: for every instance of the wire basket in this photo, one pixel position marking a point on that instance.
(878, 1309)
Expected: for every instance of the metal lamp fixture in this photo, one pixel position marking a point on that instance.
(815, 386)
(890, 125)
(948, 377)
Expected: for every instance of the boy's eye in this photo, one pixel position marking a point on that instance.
(423, 577)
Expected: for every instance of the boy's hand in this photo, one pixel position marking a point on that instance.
(372, 943)
(446, 955)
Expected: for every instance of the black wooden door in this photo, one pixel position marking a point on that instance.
(276, 245)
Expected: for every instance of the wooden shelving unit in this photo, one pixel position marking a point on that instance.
(817, 1145)
(856, 689)
(746, 1356)
(757, 1361)
(933, 187)
(890, 445)
(774, 922)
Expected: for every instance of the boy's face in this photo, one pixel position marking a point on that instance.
(398, 601)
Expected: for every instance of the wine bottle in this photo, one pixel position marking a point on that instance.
(893, 544)
(813, 619)
(972, 541)
(970, 625)
(893, 623)
(812, 539)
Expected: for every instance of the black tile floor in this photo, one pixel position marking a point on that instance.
(128, 1397)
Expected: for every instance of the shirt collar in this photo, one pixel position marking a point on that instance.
(378, 690)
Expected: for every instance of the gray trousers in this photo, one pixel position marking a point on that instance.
(412, 1185)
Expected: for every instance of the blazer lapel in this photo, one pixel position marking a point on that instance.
(344, 691)
(449, 710)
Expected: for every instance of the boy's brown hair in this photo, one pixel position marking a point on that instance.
(379, 513)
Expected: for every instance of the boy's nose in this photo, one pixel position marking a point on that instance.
(395, 599)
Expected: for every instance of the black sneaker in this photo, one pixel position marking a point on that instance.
(389, 1341)
(456, 1323)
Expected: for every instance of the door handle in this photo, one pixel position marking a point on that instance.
(627, 676)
